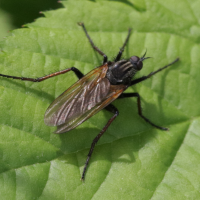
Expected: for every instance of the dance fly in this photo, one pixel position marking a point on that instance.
(95, 91)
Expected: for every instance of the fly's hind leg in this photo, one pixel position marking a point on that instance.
(78, 73)
(115, 111)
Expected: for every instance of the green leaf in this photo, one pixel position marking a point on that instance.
(5, 24)
(132, 160)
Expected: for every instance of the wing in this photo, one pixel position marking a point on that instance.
(82, 100)
(71, 124)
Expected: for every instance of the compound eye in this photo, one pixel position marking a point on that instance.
(139, 65)
(136, 62)
(134, 59)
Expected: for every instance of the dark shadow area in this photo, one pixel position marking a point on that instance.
(24, 11)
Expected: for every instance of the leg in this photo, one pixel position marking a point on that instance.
(92, 44)
(75, 70)
(152, 73)
(126, 95)
(118, 57)
(112, 109)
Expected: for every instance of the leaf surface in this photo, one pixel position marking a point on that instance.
(132, 160)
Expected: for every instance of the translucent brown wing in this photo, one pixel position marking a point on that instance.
(82, 100)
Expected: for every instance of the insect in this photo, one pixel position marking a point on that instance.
(95, 91)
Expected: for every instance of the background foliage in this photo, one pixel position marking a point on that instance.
(132, 160)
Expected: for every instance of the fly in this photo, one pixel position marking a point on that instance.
(95, 91)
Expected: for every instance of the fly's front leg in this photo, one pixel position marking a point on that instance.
(126, 95)
(78, 73)
(115, 111)
(133, 82)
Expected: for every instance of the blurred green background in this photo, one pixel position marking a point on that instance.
(14, 14)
